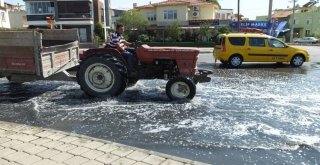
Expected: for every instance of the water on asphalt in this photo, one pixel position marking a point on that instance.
(253, 115)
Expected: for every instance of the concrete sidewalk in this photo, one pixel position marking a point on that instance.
(27, 145)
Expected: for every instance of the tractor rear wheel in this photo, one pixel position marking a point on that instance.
(102, 76)
(180, 88)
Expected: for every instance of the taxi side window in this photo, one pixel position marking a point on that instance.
(257, 42)
(275, 43)
(237, 41)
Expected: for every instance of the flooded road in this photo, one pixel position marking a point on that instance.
(258, 114)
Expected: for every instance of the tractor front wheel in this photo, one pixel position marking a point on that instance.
(102, 76)
(180, 88)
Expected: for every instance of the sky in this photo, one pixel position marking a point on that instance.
(249, 8)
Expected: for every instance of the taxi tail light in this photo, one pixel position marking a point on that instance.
(223, 45)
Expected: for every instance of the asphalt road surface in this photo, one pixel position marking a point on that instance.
(258, 114)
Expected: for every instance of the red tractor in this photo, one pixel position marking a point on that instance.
(103, 71)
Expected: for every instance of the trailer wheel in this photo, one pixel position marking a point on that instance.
(180, 88)
(102, 76)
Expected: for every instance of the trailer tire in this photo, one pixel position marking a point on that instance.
(180, 88)
(102, 76)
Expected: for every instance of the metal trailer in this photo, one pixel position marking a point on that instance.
(31, 55)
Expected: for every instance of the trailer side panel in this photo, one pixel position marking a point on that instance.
(17, 53)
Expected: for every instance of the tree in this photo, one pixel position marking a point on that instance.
(134, 22)
(205, 31)
(98, 31)
(220, 30)
(174, 31)
(224, 29)
(215, 2)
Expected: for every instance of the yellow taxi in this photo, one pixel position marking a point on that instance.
(234, 48)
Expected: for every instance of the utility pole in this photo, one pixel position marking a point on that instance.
(292, 20)
(107, 18)
(270, 29)
(238, 15)
(270, 10)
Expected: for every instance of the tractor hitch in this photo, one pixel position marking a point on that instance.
(202, 76)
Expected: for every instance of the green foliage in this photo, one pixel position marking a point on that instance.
(133, 20)
(317, 35)
(224, 29)
(205, 31)
(96, 41)
(99, 31)
(215, 2)
(220, 30)
(174, 31)
(143, 38)
(134, 23)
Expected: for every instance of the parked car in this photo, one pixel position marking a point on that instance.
(311, 40)
(234, 48)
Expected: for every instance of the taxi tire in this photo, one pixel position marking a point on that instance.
(235, 57)
(297, 57)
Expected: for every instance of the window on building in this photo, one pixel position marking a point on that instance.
(309, 21)
(102, 14)
(152, 16)
(223, 17)
(2, 17)
(170, 14)
(40, 7)
(307, 33)
(228, 15)
(74, 9)
(256, 42)
(218, 15)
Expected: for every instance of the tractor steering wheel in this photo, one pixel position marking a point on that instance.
(136, 44)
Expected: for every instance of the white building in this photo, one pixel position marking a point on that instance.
(224, 14)
(4, 16)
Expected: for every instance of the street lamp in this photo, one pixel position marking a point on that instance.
(292, 20)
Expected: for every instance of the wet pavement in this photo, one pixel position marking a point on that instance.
(258, 114)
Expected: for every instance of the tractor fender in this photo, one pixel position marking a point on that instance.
(102, 51)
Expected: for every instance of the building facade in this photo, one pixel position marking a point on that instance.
(68, 14)
(185, 12)
(306, 22)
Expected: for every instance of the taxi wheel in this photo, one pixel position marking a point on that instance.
(235, 61)
(297, 60)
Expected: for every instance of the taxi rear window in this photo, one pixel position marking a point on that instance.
(238, 41)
